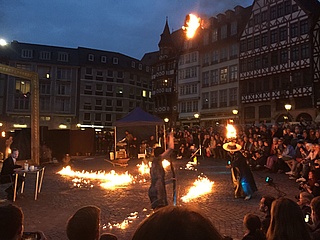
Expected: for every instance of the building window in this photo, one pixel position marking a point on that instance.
(224, 32)
(27, 53)
(119, 103)
(274, 58)
(264, 39)
(305, 52)
(215, 35)
(133, 64)
(87, 117)
(63, 89)
(206, 59)
(223, 54)
(23, 86)
(205, 79)
(283, 33)
(264, 111)
(215, 56)
(249, 112)
(103, 59)
(233, 96)
(257, 41)
(213, 99)
(233, 73)
(304, 27)
(140, 66)
(283, 56)
(90, 57)
(214, 77)
(274, 36)
(273, 12)
(45, 55)
(206, 38)
(205, 100)
(250, 44)
(115, 60)
(295, 53)
(265, 61)
(62, 105)
(294, 30)
(233, 28)
(234, 50)
(223, 98)
(63, 57)
(223, 75)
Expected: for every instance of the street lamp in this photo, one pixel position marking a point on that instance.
(288, 107)
(166, 120)
(235, 113)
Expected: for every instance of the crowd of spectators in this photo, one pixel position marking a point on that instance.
(285, 148)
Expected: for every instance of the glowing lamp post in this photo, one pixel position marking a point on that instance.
(288, 108)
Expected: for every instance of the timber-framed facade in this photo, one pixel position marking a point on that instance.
(276, 61)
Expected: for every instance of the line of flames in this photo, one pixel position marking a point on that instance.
(108, 180)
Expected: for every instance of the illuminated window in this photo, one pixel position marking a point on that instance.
(144, 93)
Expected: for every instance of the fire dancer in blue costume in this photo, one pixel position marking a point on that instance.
(243, 181)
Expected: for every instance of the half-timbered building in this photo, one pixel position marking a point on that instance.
(278, 50)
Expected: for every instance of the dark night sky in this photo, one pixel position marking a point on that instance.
(131, 27)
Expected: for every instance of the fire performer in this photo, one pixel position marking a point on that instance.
(243, 181)
(157, 191)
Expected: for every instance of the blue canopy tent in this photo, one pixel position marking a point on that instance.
(139, 123)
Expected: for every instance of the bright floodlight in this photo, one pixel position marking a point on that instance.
(235, 111)
(3, 42)
(196, 115)
(166, 120)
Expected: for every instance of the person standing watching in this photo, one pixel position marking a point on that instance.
(7, 173)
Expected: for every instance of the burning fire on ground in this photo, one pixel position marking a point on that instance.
(201, 186)
(108, 180)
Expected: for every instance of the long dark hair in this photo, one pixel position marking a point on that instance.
(287, 221)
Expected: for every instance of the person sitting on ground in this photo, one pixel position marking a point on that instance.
(84, 224)
(304, 203)
(315, 217)
(287, 221)
(253, 225)
(176, 223)
(265, 207)
(308, 162)
(312, 186)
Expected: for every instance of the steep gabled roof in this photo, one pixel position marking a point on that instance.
(165, 40)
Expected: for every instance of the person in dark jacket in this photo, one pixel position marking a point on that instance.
(7, 173)
(244, 184)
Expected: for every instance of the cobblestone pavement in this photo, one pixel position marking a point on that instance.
(59, 198)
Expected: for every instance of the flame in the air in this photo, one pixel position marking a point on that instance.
(231, 131)
(108, 180)
(144, 168)
(200, 187)
(192, 23)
